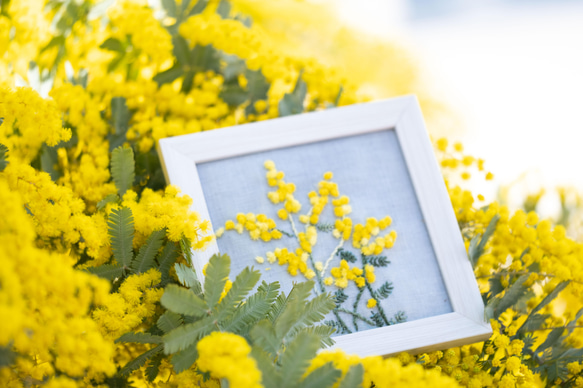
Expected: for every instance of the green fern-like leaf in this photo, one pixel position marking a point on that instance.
(3, 157)
(347, 255)
(385, 290)
(182, 301)
(184, 359)
(314, 311)
(263, 335)
(186, 276)
(166, 259)
(296, 358)
(107, 271)
(242, 285)
(270, 376)
(123, 169)
(378, 261)
(217, 272)
(323, 377)
(121, 233)
(340, 297)
(248, 314)
(139, 338)
(154, 367)
(186, 335)
(169, 321)
(140, 361)
(145, 258)
(323, 332)
(511, 296)
(353, 378)
(110, 198)
(292, 308)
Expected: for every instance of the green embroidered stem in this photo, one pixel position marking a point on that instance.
(340, 321)
(285, 233)
(356, 315)
(293, 225)
(379, 308)
(355, 306)
(318, 276)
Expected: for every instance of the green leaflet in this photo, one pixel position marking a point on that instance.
(498, 305)
(248, 314)
(122, 169)
(186, 275)
(293, 103)
(3, 156)
(110, 198)
(270, 377)
(353, 378)
(120, 117)
(107, 271)
(217, 273)
(145, 258)
(241, 287)
(121, 234)
(183, 359)
(140, 361)
(323, 377)
(182, 301)
(477, 244)
(263, 334)
(169, 321)
(139, 338)
(165, 261)
(186, 335)
(296, 358)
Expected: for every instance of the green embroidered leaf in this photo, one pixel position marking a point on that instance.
(3, 156)
(340, 297)
(385, 290)
(242, 285)
(121, 234)
(139, 338)
(325, 227)
(145, 258)
(166, 260)
(296, 358)
(154, 367)
(323, 377)
(347, 255)
(122, 169)
(169, 321)
(293, 103)
(217, 273)
(107, 271)
(270, 377)
(182, 301)
(108, 199)
(186, 335)
(184, 359)
(170, 75)
(378, 261)
(140, 361)
(353, 378)
(263, 335)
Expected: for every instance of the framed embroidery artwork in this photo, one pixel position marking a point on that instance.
(351, 198)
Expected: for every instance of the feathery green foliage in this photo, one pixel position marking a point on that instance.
(123, 169)
(121, 233)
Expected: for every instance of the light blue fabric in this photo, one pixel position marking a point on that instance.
(371, 171)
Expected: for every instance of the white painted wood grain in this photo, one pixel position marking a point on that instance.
(466, 324)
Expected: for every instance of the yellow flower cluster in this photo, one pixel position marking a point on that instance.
(372, 227)
(156, 210)
(452, 158)
(344, 273)
(45, 306)
(227, 355)
(320, 199)
(384, 372)
(284, 192)
(296, 261)
(25, 112)
(126, 310)
(259, 226)
(132, 20)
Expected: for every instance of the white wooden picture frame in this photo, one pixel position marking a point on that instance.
(466, 323)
